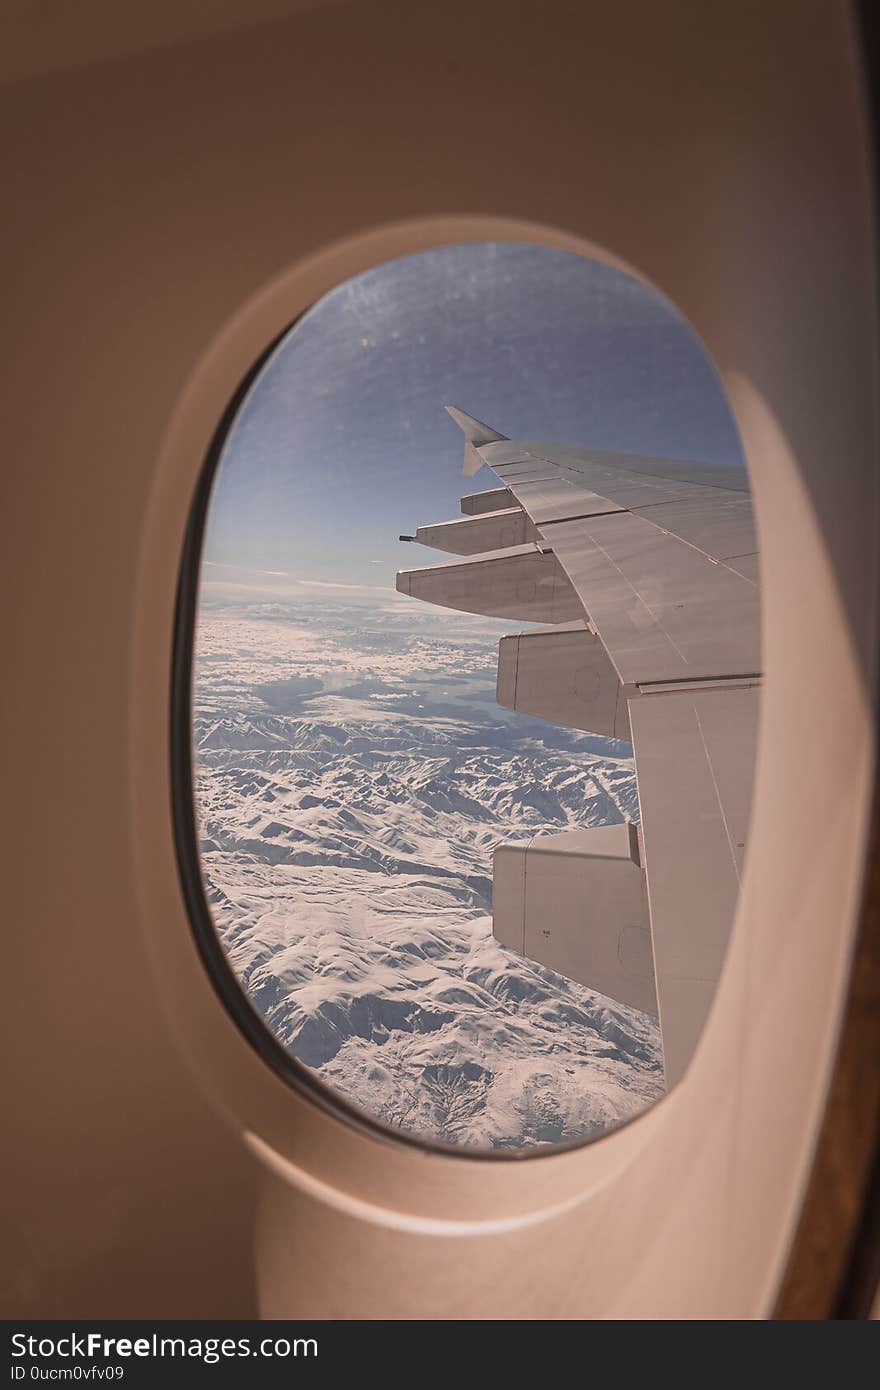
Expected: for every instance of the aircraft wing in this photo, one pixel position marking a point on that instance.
(662, 554)
(646, 572)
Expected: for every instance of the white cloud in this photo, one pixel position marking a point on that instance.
(358, 588)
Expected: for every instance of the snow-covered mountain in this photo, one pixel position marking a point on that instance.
(353, 777)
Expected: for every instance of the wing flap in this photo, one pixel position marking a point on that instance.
(694, 765)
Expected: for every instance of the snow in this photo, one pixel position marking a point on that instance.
(353, 775)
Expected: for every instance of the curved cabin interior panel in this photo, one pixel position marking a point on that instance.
(187, 187)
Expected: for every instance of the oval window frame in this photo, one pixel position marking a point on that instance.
(221, 974)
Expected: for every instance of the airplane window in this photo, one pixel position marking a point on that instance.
(425, 854)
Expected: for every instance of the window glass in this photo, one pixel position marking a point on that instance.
(354, 771)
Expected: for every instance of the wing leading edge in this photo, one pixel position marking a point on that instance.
(650, 566)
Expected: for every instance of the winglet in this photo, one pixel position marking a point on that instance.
(475, 434)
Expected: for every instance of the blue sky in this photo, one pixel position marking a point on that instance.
(343, 442)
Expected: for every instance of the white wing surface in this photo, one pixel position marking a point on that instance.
(651, 567)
